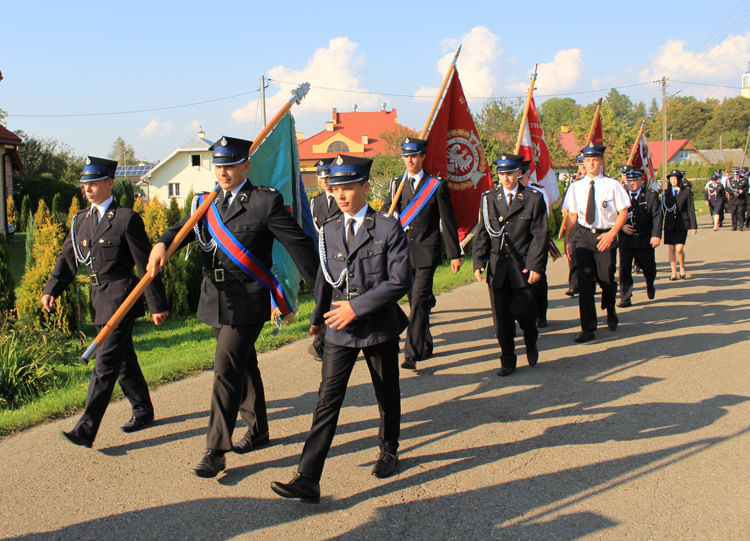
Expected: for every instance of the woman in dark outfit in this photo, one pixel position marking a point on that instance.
(679, 217)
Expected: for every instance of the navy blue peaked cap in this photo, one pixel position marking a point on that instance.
(412, 145)
(676, 173)
(592, 150)
(634, 174)
(230, 151)
(508, 162)
(98, 169)
(324, 167)
(346, 169)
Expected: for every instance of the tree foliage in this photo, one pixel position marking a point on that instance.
(11, 213)
(7, 285)
(73, 209)
(25, 211)
(498, 123)
(123, 188)
(122, 152)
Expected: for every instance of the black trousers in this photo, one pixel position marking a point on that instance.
(541, 294)
(338, 362)
(573, 273)
(116, 361)
(736, 208)
(237, 381)
(593, 266)
(509, 305)
(421, 300)
(645, 259)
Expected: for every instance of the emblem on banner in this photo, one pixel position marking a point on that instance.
(465, 157)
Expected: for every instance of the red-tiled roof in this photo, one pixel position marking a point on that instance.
(657, 151)
(569, 143)
(8, 137)
(353, 126)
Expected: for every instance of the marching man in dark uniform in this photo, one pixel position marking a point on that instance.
(737, 199)
(715, 198)
(640, 235)
(323, 207)
(110, 241)
(424, 205)
(364, 271)
(236, 236)
(597, 210)
(511, 244)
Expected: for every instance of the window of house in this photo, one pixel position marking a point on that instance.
(338, 146)
(174, 189)
(195, 160)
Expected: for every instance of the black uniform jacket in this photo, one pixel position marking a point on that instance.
(379, 275)
(255, 217)
(681, 217)
(737, 188)
(715, 195)
(646, 218)
(423, 233)
(320, 211)
(117, 244)
(524, 240)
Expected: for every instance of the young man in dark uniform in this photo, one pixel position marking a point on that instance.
(235, 303)
(511, 244)
(639, 237)
(110, 241)
(422, 221)
(737, 199)
(364, 271)
(597, 209)
(323, 207)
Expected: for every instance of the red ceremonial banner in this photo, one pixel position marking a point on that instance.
(642, 159)
(455, 153)
(534, 149)
(597, 135)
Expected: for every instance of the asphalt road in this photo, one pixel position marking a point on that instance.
(641, 434)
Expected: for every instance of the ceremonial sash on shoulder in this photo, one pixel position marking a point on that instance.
(419, 200)
(246, 261)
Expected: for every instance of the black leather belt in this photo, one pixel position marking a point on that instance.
(593, 229)
(101, 278)
(219, 275)
(337, 295)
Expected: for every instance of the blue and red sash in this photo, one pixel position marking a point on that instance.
(246, 261)
(420, 199)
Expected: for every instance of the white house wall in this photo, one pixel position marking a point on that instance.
(178, 169)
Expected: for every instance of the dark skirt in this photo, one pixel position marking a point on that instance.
(675, 237)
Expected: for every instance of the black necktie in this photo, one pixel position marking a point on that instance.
(225, 203)
(633, 197)
(330, 202)
(350, 234)
(95, 214)
(591, 206)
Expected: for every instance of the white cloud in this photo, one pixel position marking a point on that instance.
(562, 74)
(725, 61)
(336, 66)
(480, 52)
(195, 126)
(156, 128)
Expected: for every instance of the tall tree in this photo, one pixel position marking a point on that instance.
(498, 123)
(122, 152)
(556, 112)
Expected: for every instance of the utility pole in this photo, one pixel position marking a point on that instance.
(664, 125)
(263, 99)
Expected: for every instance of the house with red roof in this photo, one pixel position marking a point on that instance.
(10, 159)
(356, 133)
(679, 152)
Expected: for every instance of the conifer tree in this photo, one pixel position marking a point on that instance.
(11, 213)
(7, 285)
(25, 211)
(75, 207)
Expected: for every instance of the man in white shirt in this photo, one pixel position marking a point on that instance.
(597, 209)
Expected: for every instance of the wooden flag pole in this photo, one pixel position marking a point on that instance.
(426, 128)
(525, 116)
(297, 95)
(593, 122)
(636, 144)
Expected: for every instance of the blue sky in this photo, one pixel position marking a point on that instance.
(78, 58)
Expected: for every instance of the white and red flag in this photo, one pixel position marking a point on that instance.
(596, 135)
(455, 153)
(641, 158)
(534, 149)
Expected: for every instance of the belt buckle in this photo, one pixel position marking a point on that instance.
(94, 279)
(218, 275)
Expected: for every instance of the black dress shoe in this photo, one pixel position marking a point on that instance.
(505, 371)
(624, 303)
(137, 423)
(541, 322)
(250, 443)
(427, 354)
(532, 355)
(72, 437)
(650, 291)
(612, 321)
(584, 336)
(570, 293)
(316, 355)
(386, 465)
(301, 486)
(410, 364)
(211, 464)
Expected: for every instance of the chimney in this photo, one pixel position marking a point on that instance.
(354, 108)
(382, 107)
(335, 115)
(564, 128)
